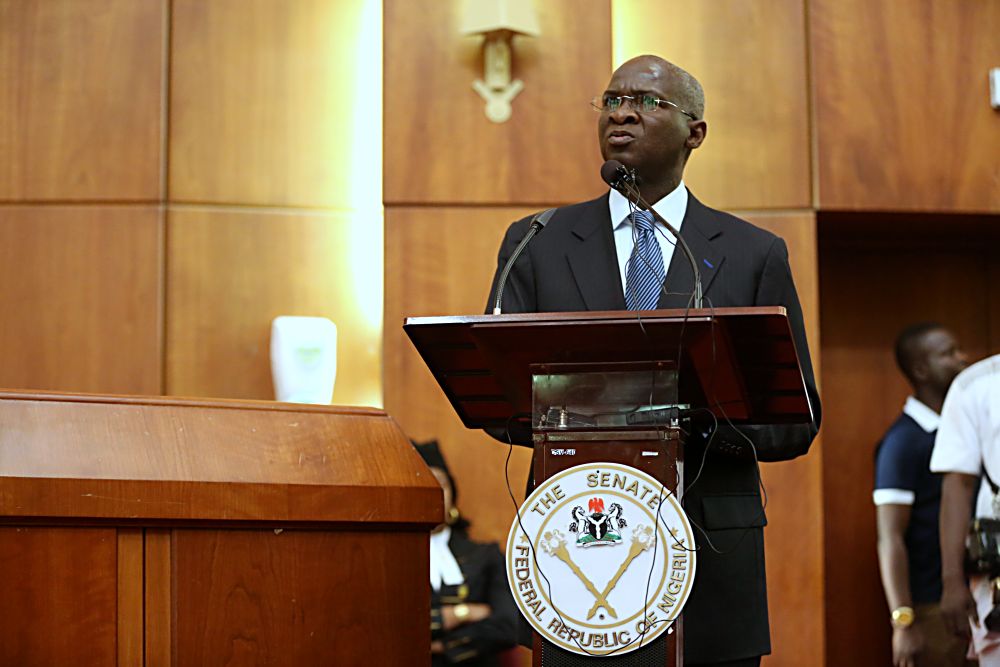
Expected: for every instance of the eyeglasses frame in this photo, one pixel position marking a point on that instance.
(598, 102)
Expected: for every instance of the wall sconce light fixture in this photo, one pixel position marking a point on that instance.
(498, 21)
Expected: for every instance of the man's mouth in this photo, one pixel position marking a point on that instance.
(619, 138)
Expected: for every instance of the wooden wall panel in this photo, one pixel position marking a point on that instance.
(222, 576)
(59, 602)
(440, 261)
(439, 145)
(863, 394)
(79, 308)
(794, 548)
(750, 57)
(902, 110)
(231, 272)
(264, 105)
(80, 106)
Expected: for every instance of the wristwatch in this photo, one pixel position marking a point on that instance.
(903, 617)
(462, 611)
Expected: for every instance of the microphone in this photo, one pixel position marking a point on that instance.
(623, 179)
(616, 174)
(537, 223)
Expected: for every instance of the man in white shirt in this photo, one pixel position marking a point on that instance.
(968, 443)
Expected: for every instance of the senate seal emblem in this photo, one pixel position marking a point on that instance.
(601, 559)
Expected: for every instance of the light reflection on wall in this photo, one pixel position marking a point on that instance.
(361, 264)
(365, 167)
(632, 33)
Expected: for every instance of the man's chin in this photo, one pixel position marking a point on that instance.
(624, 154)
(620, 153)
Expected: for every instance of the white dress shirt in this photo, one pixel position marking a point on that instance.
(672, 208)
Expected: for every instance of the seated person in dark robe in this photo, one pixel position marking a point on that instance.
(472, 610)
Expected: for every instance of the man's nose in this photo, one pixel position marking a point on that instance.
(625, 113)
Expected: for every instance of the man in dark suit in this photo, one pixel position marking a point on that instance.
(651, 119)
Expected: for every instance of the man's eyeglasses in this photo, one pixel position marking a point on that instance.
(645, 103)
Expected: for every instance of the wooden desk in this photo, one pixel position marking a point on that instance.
(150, 531)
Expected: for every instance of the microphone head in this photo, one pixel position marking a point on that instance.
(612, 172)
(617, 175)
(542, 218)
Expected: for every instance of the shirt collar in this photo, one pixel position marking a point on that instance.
(444, 568)
(672, 207)
(925, 417)
(442, 536)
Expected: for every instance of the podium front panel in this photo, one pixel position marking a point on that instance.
(658, 453)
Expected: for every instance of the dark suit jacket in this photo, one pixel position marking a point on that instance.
(572, 266)
(476, 644)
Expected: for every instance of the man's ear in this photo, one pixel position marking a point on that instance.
(919, 371)
(698, 130)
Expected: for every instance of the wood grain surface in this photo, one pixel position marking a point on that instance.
(79, 308)
(262, 108)
(158, 592)
(107, 458)
(82, 102)
(901, 104)
(131, 623)
(59, 602)
(300, 598)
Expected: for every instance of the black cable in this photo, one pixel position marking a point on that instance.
(633, 206)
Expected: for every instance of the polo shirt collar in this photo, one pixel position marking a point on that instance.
(925, 417)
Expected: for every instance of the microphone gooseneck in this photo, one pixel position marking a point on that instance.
(623, 179)
(537, 223)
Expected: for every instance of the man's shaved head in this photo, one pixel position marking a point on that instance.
(687, 91)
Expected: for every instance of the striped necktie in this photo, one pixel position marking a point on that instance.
(644, 273)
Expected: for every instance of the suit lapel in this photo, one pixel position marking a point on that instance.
(592, 258)
(701, 231)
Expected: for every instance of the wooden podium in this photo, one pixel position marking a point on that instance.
(615, 387)
(146, 531)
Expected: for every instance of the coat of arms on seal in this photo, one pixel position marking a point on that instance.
(614, 598)
(598, 527)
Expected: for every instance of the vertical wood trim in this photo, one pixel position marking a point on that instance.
(130, 620)
(159, 602)
(993, 299)
(165, 102)
(813, 119)
(161, 297)
(164, 190)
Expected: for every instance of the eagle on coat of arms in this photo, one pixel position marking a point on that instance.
(598, 527)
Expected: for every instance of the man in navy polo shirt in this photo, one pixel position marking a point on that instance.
(908, 497)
